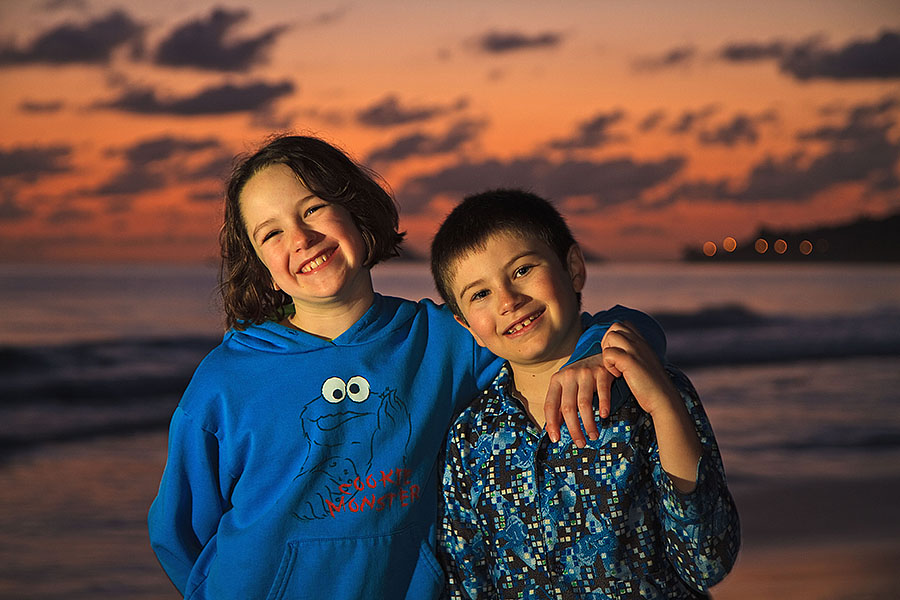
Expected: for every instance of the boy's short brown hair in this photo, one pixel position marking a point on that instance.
(480, 216)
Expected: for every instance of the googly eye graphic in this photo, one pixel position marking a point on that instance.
(334, 389)
(358, 389)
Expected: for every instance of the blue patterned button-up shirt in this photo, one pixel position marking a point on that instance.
(523, 517)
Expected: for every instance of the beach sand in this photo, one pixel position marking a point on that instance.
(72, 525)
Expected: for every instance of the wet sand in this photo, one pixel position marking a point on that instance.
(72, 525)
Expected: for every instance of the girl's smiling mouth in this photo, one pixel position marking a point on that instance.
(317, 262)
(524, 323)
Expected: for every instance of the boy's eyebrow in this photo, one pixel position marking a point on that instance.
(477, 282)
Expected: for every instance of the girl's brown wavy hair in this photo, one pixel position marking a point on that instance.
(245, 284)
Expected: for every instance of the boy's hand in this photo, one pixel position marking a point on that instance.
(571, 394)
(626, 354)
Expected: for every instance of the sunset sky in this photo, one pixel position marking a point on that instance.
(652, 125)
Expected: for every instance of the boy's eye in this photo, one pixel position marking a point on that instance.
(523, 270)
(479, 295)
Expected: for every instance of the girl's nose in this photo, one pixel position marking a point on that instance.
(304, 237)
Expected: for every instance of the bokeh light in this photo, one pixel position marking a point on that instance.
(729, 244)
(761, 246)
(780, 246)
(806, 247)
(709, 248)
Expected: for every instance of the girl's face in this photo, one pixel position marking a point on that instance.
(312, 248)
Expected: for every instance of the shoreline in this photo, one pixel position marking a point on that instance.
(78, 510)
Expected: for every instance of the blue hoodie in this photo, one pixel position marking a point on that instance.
(305, 468)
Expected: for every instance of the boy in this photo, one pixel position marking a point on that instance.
(641, 512)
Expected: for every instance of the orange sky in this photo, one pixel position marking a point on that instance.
(653, 125)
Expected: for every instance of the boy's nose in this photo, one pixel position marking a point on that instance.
(510, 299)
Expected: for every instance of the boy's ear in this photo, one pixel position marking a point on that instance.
(463, 322)
(575, 267)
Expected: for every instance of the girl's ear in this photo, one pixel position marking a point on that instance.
(275, 286)
(575, 267)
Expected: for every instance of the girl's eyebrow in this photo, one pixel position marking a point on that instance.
(273, 219)
(261, 226)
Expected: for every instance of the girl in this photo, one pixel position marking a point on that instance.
(303, 455)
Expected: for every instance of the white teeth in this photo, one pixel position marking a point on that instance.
(314, 263)
(521, 325)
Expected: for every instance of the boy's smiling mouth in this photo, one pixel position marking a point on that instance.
(317, 262)
(523, 323)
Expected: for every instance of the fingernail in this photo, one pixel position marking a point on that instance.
(594, 436)
(580, 443)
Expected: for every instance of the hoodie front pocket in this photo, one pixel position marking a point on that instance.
(400, 565)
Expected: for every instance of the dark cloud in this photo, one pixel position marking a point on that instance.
(674, 57)
(165, 147)
(422, 144)
(858, 150)
(497, 42)
(209, 43)
(691, 118)
(93, 42)
(11, 209)
(741, 128)
(31, 163)
(217, 100)
(388, 112)
(609, 182)
(593, 133)
(752, 51)
(69, 215)
(136, 179)
(154, 163)
(876, 59)
(651, 121)
(34, 106)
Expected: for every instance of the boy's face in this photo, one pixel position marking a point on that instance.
(518, 300)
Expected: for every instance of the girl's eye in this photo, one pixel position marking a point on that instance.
(313, 209)
(270, 235)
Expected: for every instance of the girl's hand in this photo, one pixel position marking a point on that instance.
(571, 394)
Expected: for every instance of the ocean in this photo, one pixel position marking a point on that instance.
(798, 367)
(793, 362)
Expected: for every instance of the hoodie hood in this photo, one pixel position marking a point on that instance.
(384, 316)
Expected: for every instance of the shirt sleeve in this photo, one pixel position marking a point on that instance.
(461, 545)
(702, 528)
(595, 327)
(185, 514)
